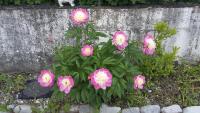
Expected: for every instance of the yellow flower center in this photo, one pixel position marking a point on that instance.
(140, 82)
(66, 82)
(151, 44)
(101, 78)
(120, 39)
(87, 51)
(46, 77)
(80, 16)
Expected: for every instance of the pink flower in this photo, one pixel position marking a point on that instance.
(79, 16)
(87, 50)
(46, 78)
(139, 82)
(65, 83)
(120, 40)
(101, 78)
(149, 45)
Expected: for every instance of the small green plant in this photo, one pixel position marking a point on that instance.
(161, 63)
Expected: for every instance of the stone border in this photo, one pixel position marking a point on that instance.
(107, 109)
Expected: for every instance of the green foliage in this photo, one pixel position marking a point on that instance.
(89, 2)
(131, 99)
(188, 79)
(161, 63)
(137, 1)
(97, 2)
(58, 102)
(21, 2)
(118, 2)
(11, 83)
(3, 108)
(131, 2)
(182, 87)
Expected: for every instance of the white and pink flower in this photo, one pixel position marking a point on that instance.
(87, 50)
(120, 40)
(101, 78)
(65, 83)
(79, 16)
(149, 45)
(139, 82)
(46, 78)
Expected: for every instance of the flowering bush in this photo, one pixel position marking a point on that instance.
(100, 72)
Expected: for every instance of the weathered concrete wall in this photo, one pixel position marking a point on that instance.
(28, 36)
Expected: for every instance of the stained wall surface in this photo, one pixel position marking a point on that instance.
(28, 36)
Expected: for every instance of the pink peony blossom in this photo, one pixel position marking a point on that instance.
(149, 45)
(65, 83)
(79, 16)
(120, 40)
(87, 50)
(46, 78)
(139, 82)
(101, 78)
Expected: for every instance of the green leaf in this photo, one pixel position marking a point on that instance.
(100, 34)
(109, 60)
(17, 2)
(77, 64)
(89, 69)
(66, 107)
(84, 95)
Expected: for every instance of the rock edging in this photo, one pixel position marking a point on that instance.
(108, 109)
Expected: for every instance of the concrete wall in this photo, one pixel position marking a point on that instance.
(28, 36)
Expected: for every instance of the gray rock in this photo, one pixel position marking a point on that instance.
(85, 109)
(150, 109)
(74, 108)
(12, 106)
(3, 112)
(172, 109)
(192, 109)
(107, 109)
(22, 109)
(131, 110)
(34, 90)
